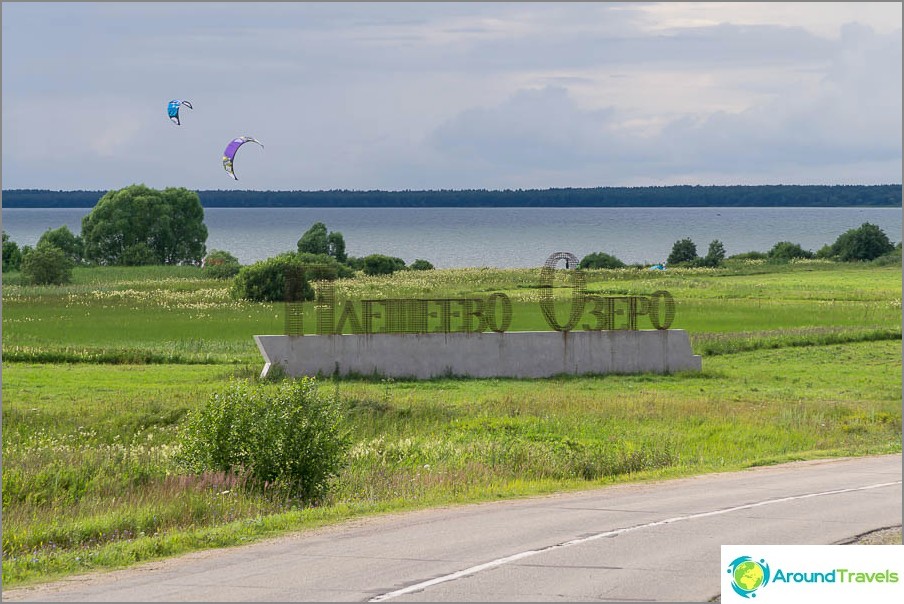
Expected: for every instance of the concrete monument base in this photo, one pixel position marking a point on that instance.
(522, 354)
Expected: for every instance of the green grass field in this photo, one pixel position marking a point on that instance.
(801, 361)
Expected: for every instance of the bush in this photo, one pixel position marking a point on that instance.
(265, 281)
(64, 239)
(749, 256)
(378, 264)
(891, 258)
(12, 257)
(600, 260)
(683, 251)
(220, 264)
(785, 250)
(421, 265)
(284, 434)
(46, 265)
(322, 266)
(867, 242)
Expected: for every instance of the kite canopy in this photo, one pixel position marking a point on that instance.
(172, 110)
(231, 149)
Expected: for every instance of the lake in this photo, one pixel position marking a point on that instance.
(502, 237)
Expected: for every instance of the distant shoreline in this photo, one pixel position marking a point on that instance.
(679, 196)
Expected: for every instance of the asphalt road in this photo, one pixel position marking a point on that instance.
(643, 542)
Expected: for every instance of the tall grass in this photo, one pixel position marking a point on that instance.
(801, 362)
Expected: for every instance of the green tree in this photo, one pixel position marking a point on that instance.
(601, 260)
(715, 256)
(421, 265)
(12, 257)
(379, 264)
(315, 240)
(785, 250)
(47, 265)
(864, 243)
(140, 225)
(683, 251)
(64, 239)
(336, 246)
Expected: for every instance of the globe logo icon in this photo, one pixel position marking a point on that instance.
(748, 575)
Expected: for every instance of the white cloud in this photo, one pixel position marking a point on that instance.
(453, 95)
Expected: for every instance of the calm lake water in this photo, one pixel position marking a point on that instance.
(502, 237)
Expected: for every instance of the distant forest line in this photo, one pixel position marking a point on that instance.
(665, 196)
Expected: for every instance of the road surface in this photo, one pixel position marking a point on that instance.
(640, 542)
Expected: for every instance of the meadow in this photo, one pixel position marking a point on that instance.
(801, 360)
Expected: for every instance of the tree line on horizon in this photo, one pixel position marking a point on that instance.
(889, 195)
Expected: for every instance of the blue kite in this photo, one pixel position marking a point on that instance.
(172, 110)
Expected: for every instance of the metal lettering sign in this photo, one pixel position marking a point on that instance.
(587, 311)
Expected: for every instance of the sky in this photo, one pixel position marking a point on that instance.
(417, 96)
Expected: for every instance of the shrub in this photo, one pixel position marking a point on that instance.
(785, 250)
(601, 260)
(283, 434)
(265, 281)
(65, 240)
(322, 266)
(892, 257)
(220, 264)
(683, 251)
(867, 242)
(12, 257)
(355, 263)
(46, 265)
(378, 264)
(421, 265)
(749, 256)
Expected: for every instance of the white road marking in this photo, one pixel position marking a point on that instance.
(526, 554)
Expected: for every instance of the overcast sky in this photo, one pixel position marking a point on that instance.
(451, 95)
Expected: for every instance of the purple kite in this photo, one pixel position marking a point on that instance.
(231, 149)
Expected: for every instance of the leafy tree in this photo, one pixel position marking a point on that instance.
(12, 257)
(47, 265)
(315, 240)
(715, 256)
(421, 265)
(336, 246)
(683, 251)
(64, 239)
(220, 264)
(140, 225)
(785, 250)
(379, 264)
(864, 243)
(600, 260)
